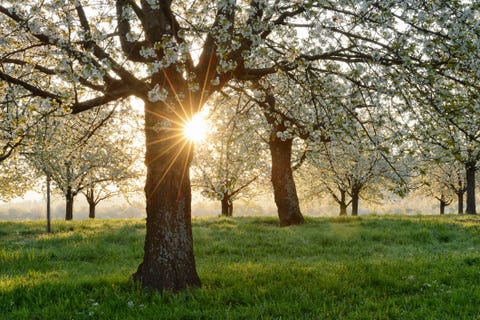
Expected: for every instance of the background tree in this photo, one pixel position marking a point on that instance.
(81, 153)
(349, 168)
(449, 133)
(443, 177)
(230, 162)
(443, 182)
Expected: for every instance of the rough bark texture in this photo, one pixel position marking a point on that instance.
(69, 204)
(168, 262)
(227, 206)
(470, 170)
(284, 189)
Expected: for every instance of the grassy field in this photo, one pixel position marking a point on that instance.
(330, 268)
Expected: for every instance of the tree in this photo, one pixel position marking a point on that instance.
(83, 152)
(443, 178)
(449, 141)
(349, 165)
(174, 56)
(280, 142)
(230, 163)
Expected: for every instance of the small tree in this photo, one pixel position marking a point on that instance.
(82, 153)
(444, 180)
(230, 163)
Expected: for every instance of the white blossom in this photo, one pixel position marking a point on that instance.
(156, 94)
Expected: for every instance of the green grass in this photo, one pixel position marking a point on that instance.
(330, 268)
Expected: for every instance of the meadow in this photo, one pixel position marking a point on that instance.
(369, 267)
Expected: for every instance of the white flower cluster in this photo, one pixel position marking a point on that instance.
(130, 37)
(173, 53)
(89, 71)
(215, 82)
(284, 135)
(156, 94)
(147, 52)
(162, 125)
(154, 4)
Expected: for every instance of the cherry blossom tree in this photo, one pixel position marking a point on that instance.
(82, 153)
(444, 180)
(447, 130)
(231, 161)
(349, 167)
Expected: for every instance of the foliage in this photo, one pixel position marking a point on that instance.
(231, 162)
(356, 268)
(92, 152)
(15, 178)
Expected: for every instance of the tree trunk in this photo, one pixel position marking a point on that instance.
(460, 201)
(69, 204)
(443, 204)
(355, 201)
(227, 206)
(284, 189)
(168, 262)
(91, 210)
(470, 169)
(92, 204)
(343, 203)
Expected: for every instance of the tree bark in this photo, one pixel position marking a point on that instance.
(227, 206)
(69, 196)
(443, 204)
(284, 189)
(343, 203)
(460, 201)
(355, 201)
(168, 262)
(470, 170)
(91, 210)
(92, 204)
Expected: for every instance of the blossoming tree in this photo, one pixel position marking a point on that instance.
(231, 163)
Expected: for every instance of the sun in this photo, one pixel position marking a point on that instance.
(195, 130)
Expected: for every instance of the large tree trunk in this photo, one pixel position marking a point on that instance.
(343, 203)
(168, 262)
(470, 170)
(227, 206)
(69, 196)
(284, 189)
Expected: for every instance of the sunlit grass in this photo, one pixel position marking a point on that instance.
(329, 268)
